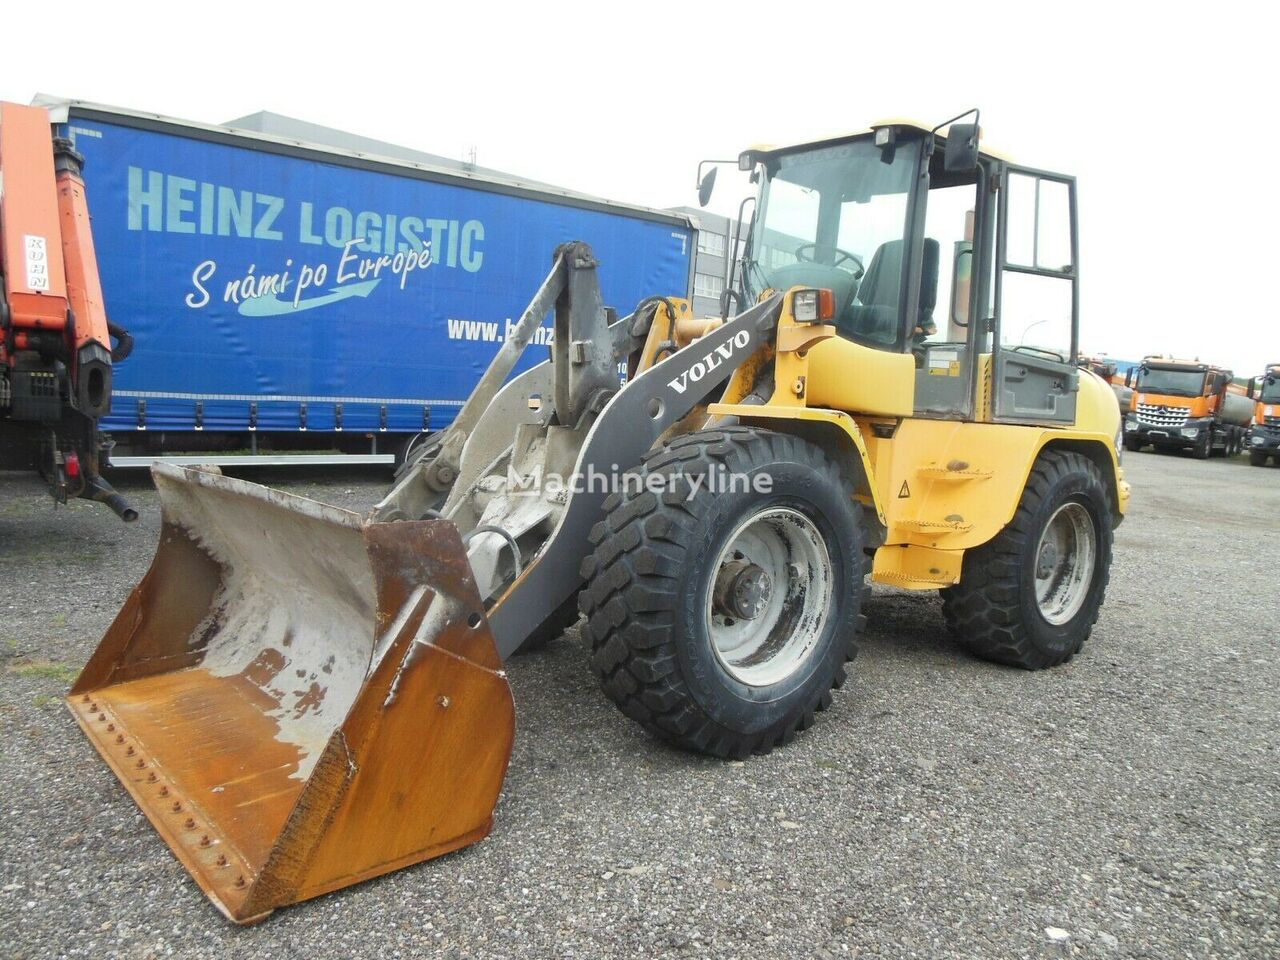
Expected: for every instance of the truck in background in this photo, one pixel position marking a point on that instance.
(1264, 433)
(1109, 370)
(1185, 405)
(56, 343)
(287, 296)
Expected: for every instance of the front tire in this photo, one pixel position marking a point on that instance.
(1133, 444)
(721, 620)
(1257, 458)
(1029, 598)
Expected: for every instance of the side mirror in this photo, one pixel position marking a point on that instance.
(1251, 388)
(1128, 377)
(962, 148)
(705, 186)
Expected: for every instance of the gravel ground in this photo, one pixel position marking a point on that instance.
(1124, 805)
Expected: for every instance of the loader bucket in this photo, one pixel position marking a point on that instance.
(299, 699)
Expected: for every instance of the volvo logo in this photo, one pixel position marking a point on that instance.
(709, 363)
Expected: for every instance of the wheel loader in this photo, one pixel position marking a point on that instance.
(300, 697)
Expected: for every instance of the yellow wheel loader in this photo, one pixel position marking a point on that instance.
(300, 698)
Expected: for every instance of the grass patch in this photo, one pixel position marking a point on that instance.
(64, 673)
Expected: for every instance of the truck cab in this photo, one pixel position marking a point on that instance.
(1184, 405)
(1264, 432)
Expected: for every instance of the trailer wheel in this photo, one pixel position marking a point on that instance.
(720, 619)
(1029, 598)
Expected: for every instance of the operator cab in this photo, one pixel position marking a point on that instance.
(906, 230)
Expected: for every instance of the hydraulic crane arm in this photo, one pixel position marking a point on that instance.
(55, 340)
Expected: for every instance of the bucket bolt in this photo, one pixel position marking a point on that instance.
(177, 806)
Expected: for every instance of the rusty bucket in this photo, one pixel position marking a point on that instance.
(297, 698)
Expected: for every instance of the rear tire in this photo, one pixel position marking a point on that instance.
(683, 636)
(1029, 598)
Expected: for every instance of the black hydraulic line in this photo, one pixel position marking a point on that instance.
(95, 488)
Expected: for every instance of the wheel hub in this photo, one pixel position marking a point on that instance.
(1065, 561)
(773, 591)
(742, 590)
(1048, 560)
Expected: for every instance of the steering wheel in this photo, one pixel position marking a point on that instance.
(841, 257)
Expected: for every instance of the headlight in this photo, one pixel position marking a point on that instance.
(1257, 440)
(1190, 432)
(1120, 442)
(1131, 425)
(813, 306)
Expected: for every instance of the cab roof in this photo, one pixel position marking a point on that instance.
(1173, 363)
(899, 123)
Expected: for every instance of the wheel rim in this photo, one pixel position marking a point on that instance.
(770, 597)
(1065, 559)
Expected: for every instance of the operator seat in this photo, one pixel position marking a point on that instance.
(873, 315)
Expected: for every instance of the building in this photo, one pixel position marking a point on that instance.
(710, 264)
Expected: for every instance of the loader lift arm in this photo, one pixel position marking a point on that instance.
(584, 427)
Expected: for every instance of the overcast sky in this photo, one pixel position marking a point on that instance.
(1165, 116)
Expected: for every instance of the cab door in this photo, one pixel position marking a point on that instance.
(1037, 278)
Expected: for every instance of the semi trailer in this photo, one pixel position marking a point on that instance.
(288, 296)
(1264, 432)
(1185, 405)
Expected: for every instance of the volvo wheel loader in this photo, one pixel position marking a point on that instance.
(300, 697)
